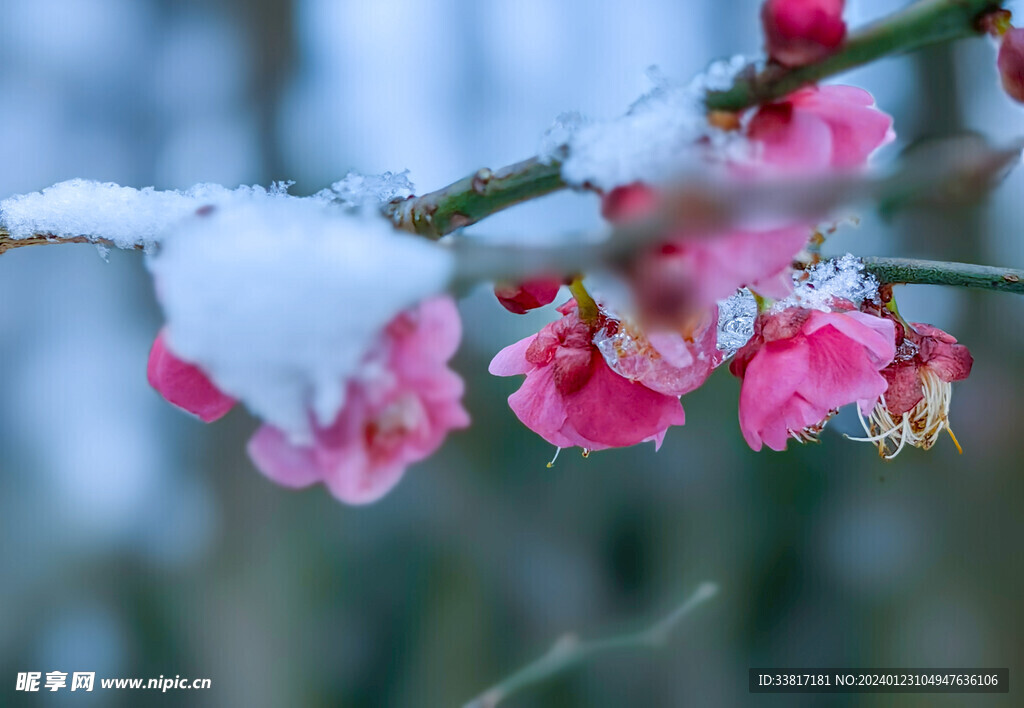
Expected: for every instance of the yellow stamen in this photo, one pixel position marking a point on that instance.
(811, 433)
(955, 441)
(920, 427)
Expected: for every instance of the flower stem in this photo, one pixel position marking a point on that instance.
(923, 23)
(964, 275)
(569, 651)
(588, 309)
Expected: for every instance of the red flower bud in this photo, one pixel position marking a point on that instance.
(798, 32)
(1011, 63)
(521, 297)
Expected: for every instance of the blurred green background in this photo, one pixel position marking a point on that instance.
(140, 543)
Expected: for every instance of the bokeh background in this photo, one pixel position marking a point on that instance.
(138, 542)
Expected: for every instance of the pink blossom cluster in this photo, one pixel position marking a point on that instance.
(596, 378)
(397, 413)
(801, 364)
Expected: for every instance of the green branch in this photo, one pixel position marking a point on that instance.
(484, 193)
(895, 271)
(472, 198)
(921, 24)
(952, 173)
(569, 651)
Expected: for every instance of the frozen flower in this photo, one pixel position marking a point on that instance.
(572, 397)
(914, 409)
(269, 298)
(669, 362)
(528, 295)
(399, 412)
(801, 365)
(1011, 63)
(799, 32)
(185, 385)
(818, 128)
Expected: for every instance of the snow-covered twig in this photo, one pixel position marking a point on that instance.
(952, 172)
(486, 192)
(7, 242)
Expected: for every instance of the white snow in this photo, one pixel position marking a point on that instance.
(664, 134)
(278, 300)
(813, 289)
(358, 190)
(842, 277)
(131, 217)
(128, 217)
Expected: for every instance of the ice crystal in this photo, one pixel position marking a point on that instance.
(736, 316)
(817, 287)
(561, 132)
(632, 354)
(359, 190)
(625, 355)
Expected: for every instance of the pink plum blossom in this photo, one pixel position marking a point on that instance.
(818, 128)
(1010, 62)
(572, 397)
(690, 273)
(184, 385)
(693, 273)
(798, 32)
(801, 365)
(914, 409)
(922, 350)
(812, 130)
(519, 298)
(399, 412)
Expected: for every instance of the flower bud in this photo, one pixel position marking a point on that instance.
(798, 32)
(529, 295)
(1011, 63)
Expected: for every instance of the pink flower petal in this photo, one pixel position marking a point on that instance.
(511, 360)
(617, 412)
(769, 380)
(185, 385)
(797, 140)
(858, 129)
(903, 390)
(287, 464)
(539, 406)
(876, 334)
